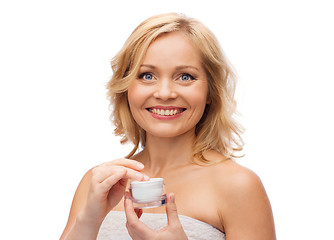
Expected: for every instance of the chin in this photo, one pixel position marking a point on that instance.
(167, 132)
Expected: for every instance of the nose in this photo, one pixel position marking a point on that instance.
(165, 90)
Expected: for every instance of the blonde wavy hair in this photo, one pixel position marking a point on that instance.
(217, 129)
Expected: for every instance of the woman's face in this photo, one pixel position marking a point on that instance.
(168, 97)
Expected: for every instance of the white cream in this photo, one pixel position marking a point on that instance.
(148, 194)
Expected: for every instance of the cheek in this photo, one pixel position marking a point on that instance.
(137, 96)
(202, 100)
(199, 95)
(131, 94)
(134, 95)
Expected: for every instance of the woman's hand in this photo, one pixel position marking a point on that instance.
(139, 231)
(107, 187)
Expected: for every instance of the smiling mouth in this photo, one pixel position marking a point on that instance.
(166, 112)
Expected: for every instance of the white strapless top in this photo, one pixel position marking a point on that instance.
(113, 227)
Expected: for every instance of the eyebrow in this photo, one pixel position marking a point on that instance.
(177, 68)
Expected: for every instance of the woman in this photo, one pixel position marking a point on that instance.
(172, 93)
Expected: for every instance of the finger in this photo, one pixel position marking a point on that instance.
(109, 182)
(102, 172)
(128, 208)
(119, 174)
(172, 216)
(134, 226)
(129, 163)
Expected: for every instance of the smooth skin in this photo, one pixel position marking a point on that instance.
(225, 195)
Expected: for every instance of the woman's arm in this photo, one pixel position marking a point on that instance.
(78, 202)
(244, 207)
(100, 190)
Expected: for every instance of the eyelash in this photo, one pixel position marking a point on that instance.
(188, 75)
(142, 75)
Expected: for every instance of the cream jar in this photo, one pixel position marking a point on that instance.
(148, 194)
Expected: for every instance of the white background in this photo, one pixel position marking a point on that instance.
(54, 126)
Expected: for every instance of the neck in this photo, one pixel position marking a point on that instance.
(163, 154)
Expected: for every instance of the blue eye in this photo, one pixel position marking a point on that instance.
(146, 76)
(186, 77)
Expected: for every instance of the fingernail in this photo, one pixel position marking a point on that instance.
(141, 176)
(172, 197)
(140, 166)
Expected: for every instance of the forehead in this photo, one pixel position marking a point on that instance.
(175, 48)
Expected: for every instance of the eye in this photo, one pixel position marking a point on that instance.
(186, 77)
(146, 76)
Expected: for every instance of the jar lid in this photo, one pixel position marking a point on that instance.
(151, 182)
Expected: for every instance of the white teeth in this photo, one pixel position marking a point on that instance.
(163, 112)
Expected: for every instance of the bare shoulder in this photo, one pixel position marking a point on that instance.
(81, 193)
(230, 177)
(233, 178)
(79, 201)
(242, 202)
